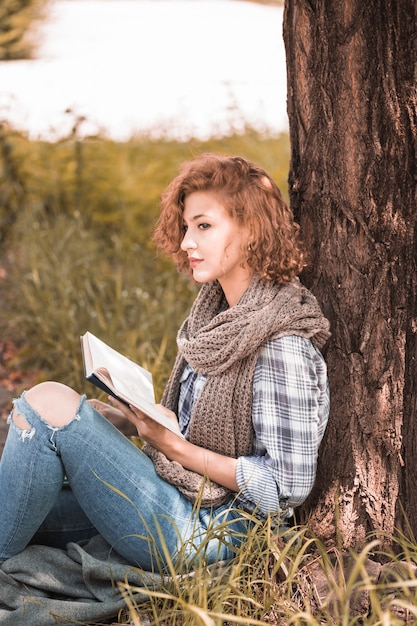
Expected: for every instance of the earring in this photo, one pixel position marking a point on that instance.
(249, 247)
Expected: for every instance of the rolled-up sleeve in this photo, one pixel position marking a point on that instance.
(290, 412)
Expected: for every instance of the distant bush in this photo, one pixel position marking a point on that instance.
(18, 20)
(76, 223)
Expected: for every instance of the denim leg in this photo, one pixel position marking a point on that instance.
(144, 518)
(65, 522)
(31, 476)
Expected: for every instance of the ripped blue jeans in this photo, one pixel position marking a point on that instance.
(113, 491)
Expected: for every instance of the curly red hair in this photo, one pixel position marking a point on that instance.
(251, 197)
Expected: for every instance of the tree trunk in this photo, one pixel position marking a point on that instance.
(352, 111)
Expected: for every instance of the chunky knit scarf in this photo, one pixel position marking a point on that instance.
(224, 347)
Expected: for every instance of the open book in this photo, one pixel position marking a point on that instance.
(122, 378)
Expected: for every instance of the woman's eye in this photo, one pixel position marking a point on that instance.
(184, 228)
(204, 225)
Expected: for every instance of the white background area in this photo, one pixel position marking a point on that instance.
(193, 67)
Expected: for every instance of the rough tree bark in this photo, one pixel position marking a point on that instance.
(352, 104)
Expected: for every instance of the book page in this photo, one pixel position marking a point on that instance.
(125, 375)
(122, 378)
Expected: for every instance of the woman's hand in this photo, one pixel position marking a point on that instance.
(148, 429)
(219, 468)
(108, 411)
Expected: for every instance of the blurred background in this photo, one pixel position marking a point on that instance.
(100, 102)
(190, 67)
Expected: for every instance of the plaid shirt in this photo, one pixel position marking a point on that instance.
(289, 415)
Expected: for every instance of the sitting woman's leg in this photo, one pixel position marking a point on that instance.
(65, 522)
(31, 472)
(55, 432)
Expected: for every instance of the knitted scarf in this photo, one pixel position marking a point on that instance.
(224, 347)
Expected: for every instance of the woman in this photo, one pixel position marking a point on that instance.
(248, 389)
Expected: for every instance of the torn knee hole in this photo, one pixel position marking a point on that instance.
(20, 421)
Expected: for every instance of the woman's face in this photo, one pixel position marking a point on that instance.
(215, 244)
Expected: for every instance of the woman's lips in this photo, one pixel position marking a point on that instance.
(194, 262)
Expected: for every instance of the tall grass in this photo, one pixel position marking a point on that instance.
(77, 218)
(286, 579)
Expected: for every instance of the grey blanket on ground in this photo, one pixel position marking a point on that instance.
(45, 586)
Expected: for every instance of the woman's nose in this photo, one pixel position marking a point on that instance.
(188, 242)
